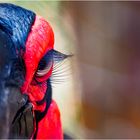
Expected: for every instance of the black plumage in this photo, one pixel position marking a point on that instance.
(16, 22)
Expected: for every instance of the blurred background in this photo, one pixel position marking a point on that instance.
(100, 95)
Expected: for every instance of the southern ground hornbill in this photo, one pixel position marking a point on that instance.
(27, 59)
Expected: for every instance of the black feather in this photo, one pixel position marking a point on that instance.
(16, 22)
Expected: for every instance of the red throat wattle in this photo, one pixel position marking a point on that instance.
(39, 42)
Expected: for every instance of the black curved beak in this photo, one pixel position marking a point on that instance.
(7, 57)
(5, 68)
(4, 105)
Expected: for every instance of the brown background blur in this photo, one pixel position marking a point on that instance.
(108, 52)
(101, 99)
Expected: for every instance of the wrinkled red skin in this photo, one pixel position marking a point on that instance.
(39, 42)
(50, 125)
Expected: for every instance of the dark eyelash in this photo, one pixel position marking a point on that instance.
(52, 55)
(59, 72)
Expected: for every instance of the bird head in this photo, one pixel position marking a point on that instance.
(27, 57)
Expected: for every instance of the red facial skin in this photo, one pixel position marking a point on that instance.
(39, 42)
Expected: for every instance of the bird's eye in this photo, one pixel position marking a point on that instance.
(44, 71)
(44, 67)
(47, 61)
